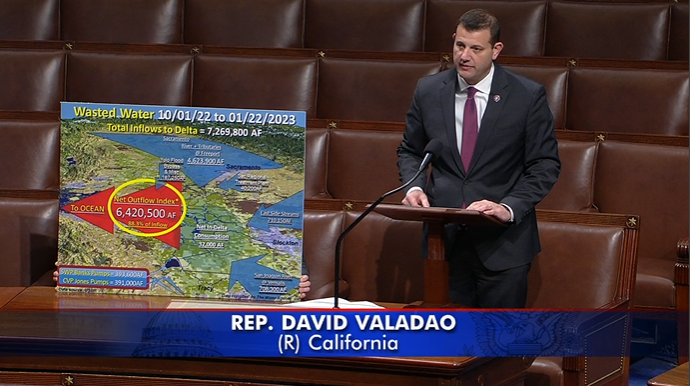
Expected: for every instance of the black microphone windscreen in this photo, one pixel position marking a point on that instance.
(435, 147)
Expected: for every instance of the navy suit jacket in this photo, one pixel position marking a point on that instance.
(515, 161)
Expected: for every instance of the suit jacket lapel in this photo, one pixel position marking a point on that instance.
(499, 94)
(447, 97)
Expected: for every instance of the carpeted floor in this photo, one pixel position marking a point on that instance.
(654, 350)
(644, 369)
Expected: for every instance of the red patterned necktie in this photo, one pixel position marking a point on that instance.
(470, 128)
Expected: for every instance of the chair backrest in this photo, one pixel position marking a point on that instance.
(30, 149)
(130, 78)
(122, 21)
(522, 24)
(650, 181)
(628, 100)
(607, 30)
(28, 233)
(373, 25)
(555, 80)
(363, 164)
(244, 23)
(575, 186)
(316, 164)
(679, 37)
(321, 230)
(32, 80)
(368, 90)
(381, 259)
(29, 19)
(586, 261)
(272, 83)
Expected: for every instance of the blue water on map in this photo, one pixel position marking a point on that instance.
(200, 174)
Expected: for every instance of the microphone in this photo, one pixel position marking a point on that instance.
(432, 151)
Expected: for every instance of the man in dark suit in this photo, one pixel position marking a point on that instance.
(500, 157)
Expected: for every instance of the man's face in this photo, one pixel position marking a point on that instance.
(473, 53)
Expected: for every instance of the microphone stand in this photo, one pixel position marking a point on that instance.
(336, 289)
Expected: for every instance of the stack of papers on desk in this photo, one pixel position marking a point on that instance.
(328, 303)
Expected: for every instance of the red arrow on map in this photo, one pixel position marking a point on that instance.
(93, 209)
(151, 210)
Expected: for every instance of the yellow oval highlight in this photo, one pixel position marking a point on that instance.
(142, 234)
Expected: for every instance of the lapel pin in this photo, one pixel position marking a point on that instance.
(497, 98)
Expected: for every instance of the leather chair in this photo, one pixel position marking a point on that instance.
(32, 80)
(272, 83)
(368, 90)
(28, 231)
(30, 149)
(555, 80)
(679, 36)
(575, 186)
(362, 165)
(585, 254)
(122, 21)
(377, 268)
(321, 231)
(370, 25)
(29, 20)
(607, 30)
(129, 78)
(586, 262)
(628, 100)
(244, 23)
(381, 259)
(316, 164)
(522, 24)
(652, 182)
(593, 253)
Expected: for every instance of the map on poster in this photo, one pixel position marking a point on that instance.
(181, 201)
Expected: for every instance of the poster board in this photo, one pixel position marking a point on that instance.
(181, 201)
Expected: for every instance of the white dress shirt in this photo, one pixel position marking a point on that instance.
(481, 99)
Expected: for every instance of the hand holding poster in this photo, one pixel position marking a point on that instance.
(181, 201)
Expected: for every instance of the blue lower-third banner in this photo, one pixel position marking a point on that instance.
(314, 333)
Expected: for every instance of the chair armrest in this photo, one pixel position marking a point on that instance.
(680, 280)
(617, 304)
(680, 276)
(607, 326)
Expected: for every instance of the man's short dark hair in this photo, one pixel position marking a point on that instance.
(480, 19)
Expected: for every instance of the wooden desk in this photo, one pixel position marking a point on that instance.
(47, 298)
(215, 371)
(679, 376)
(8, 293)
(260, 371)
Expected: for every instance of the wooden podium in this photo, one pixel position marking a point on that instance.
(435, 266)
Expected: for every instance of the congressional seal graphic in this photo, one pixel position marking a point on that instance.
(523, 333)
(176, 334)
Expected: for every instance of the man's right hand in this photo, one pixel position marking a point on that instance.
(416, 198)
